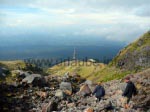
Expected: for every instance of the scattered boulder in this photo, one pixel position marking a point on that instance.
(66, 86)
(90, 84)
(22, 74)
(84, 90)
(29, 79)
(4, 72)
(35, 80)
(59, 96)
(65, 77)
(59, 93)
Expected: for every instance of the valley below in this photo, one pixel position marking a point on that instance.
(67, 86)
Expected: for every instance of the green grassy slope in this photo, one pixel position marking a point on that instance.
(13, 65)
(133, 53)
(130, 54)
(85, 69)
(95, 73)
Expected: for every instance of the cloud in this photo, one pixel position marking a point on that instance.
(111, 19)
(58, 11)
(143, 11)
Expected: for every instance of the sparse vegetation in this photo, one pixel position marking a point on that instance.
(133, 52)
(13, 65)
(84, 69)
(95, 73)
(112, 71)
(129, 56)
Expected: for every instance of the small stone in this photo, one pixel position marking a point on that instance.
(89, 110)
(48, 107)
(67, 92)
(70, 105)
(59, 93)
(41, 94)
(18, 109)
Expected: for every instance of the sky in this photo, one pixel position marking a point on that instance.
(73, 20)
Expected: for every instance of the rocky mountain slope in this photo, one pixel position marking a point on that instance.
(68, 86)
(8, 69)
(136, 55)
(70, 93)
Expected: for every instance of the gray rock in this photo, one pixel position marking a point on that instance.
(3, 72)
(49, 107)
(29, 79)
(59, 93)
(85, 90)
(66, 86)
(88, 82)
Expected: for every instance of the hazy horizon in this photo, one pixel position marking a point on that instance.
(31, 25)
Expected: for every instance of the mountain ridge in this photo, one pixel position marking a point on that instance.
(135, 53)
(134, 56)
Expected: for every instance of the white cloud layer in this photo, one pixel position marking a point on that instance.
(111, 19)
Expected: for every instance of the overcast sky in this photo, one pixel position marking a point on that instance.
(119, 20)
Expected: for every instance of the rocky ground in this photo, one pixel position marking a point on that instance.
(70, 93)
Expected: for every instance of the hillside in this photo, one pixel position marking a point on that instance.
(95, 72)
(28, 88)
(85, 69)
(135, 56)
(67, 94)
(13, 65)
(10, 67)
